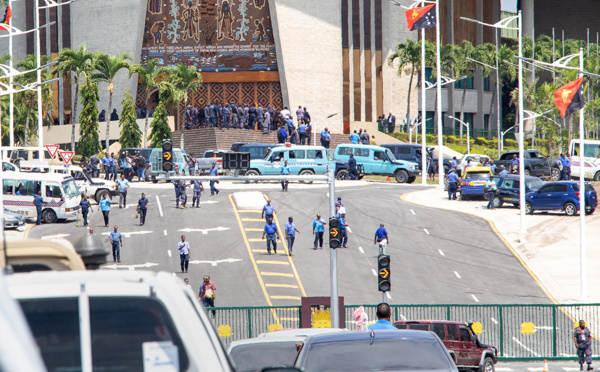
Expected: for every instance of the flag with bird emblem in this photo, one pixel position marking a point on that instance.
(423, 17)
(7, 17)
(569, 97)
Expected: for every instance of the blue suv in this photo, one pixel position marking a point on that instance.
(562, 195)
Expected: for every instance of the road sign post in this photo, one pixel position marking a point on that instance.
(52, 150)
(66, 156)
(335, 316)
(384, 283)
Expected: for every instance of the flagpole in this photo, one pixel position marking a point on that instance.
(521, 130)
(11, 104)
(439, 97)
(39, 81)
(423, 113)
(582, 271)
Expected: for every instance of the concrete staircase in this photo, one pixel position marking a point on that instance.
(197, 141)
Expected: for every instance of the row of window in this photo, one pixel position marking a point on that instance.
(29, 188)
(298, 154)
(468, 82)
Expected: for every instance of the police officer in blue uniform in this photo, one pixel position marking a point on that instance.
(285, 171)
(452, 184)
(86, 206)
(198, 188)
(38, 201)
(565, 173)
(182, 189)
(142, 208)
(352, 167)
(343, 232)
(177, 185)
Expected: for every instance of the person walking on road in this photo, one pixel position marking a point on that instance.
(214, 171)
(343, 230)
(142, 208)
(182, 191)
(514, 164)
(583, 343)
(104, 206)
(381, 234)
(141, 167)
(290, 231)
(318, 230)
(268, 211)
(184, 254)
(177, 186)
(351, 168)
(113, 167)
(207, 293)
(272, 235)
(198, 188)
(565, 173)
(452, 184)
(116, 241)
(491, 188)
(384, 314)
(38, 200)
(285, 171)
(123, 186)
(86, 206)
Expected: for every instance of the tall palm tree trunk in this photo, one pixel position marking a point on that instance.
(146, 123)
(412, 73)
(26, 139)
(110, 95)
(180, 125)
(73, 116)
(462, 111)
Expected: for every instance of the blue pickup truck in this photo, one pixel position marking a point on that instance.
(377, 160)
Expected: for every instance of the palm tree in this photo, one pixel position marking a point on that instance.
(107, 67)
(30, 96)
(409, 56)
(81, 63)
(149, 82)
(182, 80)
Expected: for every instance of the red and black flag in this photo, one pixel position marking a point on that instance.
(569, 97)
(423, 17)
(7, 17)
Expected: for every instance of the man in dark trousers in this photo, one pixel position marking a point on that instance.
(184, 254)
(177, 185)
(38, 201)
(86, 206)
(142, 208)
(391, 121)
(318, 230)
(352, 167)
(272, 235)
(116, 241)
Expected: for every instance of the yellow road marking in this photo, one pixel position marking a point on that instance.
(263, 262)
(253, 219)
(276, 297)
(266, 273)
(254, 240)
(280, 285)
(258, 274)
(27, 231)
(253, 229)
(250, 211)
(259, 250)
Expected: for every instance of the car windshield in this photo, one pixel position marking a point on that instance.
(534, 184)
(70, 188)
(255, 357)
(477, 175)
(390, 155)
(383, 355)
(267, 155)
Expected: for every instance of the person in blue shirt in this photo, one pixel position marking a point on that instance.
(106, 161)
(123, 186)
(214, 171)
(343, 232)
(282, 134)
(104, 205)
(452, 184)
(177, 185)
(381, 234)
(491, 189)
(290, 232)
(492, 166)
(184, 254)
(503, 172)
(285, 171)
(272, 235)
(113, 166)
(142, 208)
(318, 230)
(384, 314)
(182, 189)
(86, 206)
(38, 201)
(116, 242)
(454, 162)
(565, 173)
(354, 138)
(514, 164)
(325, 138)
(351, 168)
(302, 133)
(268, 211)
(198, 188)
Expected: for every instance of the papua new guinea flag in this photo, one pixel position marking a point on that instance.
(423, 17)
(7, 16)
(569, 97)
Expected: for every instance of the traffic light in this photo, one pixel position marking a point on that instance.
(384, 283)
(167, 155)
(334, 233)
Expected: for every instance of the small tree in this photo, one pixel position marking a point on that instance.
(131, 135)
(160, 129)
(89, 143)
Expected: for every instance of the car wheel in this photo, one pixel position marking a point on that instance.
(342, 175)
(589, 210)
(49, 216)
(528, 208)
(401, 176)
(498, 202)
(252, 172)
(100, 195)
(570, 209)
(487, 366)
(555, 174)
(527, 172)
(154, 180)
(462, 197)
(411, 179)
(306, 172)
(597, 177)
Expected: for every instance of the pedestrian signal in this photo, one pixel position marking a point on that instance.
(334, 233)
(383, 273)
(167, 155)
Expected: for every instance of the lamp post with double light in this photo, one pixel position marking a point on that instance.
(468, 132)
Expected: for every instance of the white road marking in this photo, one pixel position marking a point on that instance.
(131, 267)
(531, 351)
(165, 232)
(57, 236)
(214, 263)
(349, 229)
(426, 232)
(128, 234)
(205, 231)
(475, 298)
(361, 250)
(457, 275)
(504, 369)
(565, 368)
(532, 369)
(494, 320)
(169, 252)
(442, 253)
(374, 272)
(388, 295)
(160, 211)
(413, 212)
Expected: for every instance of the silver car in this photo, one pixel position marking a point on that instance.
(12, 220)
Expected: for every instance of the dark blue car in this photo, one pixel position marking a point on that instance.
(508, 188)
(563, 196)
(379, 350)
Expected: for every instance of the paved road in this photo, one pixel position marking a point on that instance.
(538, 367)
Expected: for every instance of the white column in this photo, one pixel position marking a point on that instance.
(39, 81)
(582, 269)
(350, 62)
(373, 65)
(521, 130)
(423, 113)
(11, 106)
(361, 18)
(439, 97)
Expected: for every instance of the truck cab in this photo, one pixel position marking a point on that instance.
(378, 160)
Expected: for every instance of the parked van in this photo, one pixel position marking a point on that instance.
(257, 150)
(107, 320)
(302, 160)
(378, 160)
(180, 159)
(412, 152)
(60, 193)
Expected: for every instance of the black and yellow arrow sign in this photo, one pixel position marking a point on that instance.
(334, 232)
(167, 156)
(384, 273)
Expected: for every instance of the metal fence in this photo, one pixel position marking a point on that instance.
(519, 332)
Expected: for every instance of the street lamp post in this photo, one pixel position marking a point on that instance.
(502, 136)
(468, 132)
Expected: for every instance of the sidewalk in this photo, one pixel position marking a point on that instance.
(549, 250)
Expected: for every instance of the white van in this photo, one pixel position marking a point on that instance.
(60, 193)
(92, 187)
